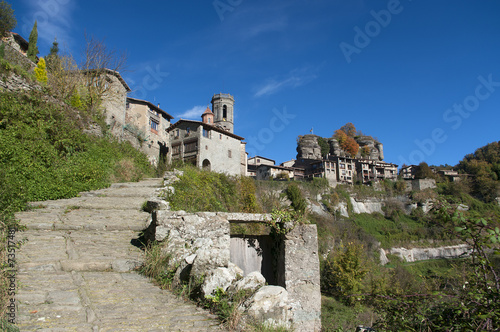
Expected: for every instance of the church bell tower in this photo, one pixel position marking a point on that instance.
(223, 109)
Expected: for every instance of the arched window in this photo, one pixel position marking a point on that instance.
(224, 112)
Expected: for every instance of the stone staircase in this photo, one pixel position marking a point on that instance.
(76, 268)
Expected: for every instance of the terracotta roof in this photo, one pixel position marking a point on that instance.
(152, 106)
(208, 111)
(206, 126)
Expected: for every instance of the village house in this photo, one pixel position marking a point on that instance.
(370, 170)
(148, 123)
(210, 144)
(254, 162)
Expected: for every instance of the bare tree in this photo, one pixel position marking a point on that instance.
(64, 77)
(98, 63)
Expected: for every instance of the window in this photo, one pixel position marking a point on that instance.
(177, 132)
(224, 112)
(206, 133)
(188, 131)
(190, 147)
(154, 125)
(229, 153)
(176, 149)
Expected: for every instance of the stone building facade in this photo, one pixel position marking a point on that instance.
(210, 144)
(337, 167)
(206, 146)
(148, 124)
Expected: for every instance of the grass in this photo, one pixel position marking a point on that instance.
(44, 155)
(336, 316)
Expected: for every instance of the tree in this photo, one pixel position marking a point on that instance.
(32, 47)
(41, 71)
(98, 61)
(473, 305)
(349, 129)
(424, 171)
(344, 271)
(325, 147)
(65, 78)
(347, 143)
(54, 50)
(7, 19)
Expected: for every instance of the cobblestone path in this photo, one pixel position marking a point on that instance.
(75, 272)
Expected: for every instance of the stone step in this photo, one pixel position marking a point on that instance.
(104, 301)
(76, 218)
(76, 268)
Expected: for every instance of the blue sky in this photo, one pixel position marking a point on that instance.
(422, 76)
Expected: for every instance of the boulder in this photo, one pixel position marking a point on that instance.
(221, 277)
(270, 306)
(253, 281)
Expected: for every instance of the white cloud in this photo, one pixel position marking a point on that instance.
(193, 113)
(296, 78)
(54, 20)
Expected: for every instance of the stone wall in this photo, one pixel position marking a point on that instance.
(302, 278)
(16, 57)
(15, 83)
(201, 245)
(422, 184)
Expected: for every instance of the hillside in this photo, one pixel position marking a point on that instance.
(350, 244)
(484, 167)
(46, 153)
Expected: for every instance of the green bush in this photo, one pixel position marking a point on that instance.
(45, 155)
(294, 194)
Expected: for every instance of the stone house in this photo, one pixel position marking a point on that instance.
(206, 146)
(15, 50)
(451, 174)
(210, 144)
(408, 172)
(114, 97)
(254, 162)
(147, 124)
(369, 170)
(270, 172)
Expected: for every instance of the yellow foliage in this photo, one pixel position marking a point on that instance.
(41, 71)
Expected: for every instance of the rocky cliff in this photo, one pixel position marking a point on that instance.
(309, 148)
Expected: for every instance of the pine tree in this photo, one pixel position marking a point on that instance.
(54, 50)
(7, 19)
(32, 47)
(41, 71)
(53, 59)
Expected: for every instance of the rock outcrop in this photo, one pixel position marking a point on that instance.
(309, 148)
(421, 254)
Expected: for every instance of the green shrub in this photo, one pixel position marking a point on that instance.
(294, 194)
(45, 155)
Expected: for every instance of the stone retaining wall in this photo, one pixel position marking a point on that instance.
(201, 246)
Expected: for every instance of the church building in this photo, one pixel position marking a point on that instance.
(210, 143)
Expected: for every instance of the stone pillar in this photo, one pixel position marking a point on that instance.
(302, 277)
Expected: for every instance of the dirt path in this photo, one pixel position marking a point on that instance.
(75, 272)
